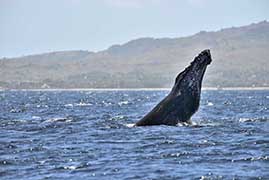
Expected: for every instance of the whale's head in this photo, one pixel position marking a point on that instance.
(189, 82)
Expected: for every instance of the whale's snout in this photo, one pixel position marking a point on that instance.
(201, 61)
(205, 57)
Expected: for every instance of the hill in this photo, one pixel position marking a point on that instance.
(240, 59)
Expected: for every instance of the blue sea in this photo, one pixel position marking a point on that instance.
(89, 135)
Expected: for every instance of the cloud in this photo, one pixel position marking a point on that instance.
(131, 3)
(198, 3)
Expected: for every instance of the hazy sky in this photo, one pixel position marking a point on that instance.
(37, 26)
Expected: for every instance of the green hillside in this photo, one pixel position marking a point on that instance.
(240, 59)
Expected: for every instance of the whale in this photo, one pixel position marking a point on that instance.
(184, 98)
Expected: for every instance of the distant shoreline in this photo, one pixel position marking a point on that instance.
(139, 89)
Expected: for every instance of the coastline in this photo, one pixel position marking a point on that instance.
(142, 89)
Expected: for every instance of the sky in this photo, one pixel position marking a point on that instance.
(39, 26)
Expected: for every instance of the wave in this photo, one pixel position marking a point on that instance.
(257, 119)
(78, 104)
(123, 103)
(59, 119)
(260, 158)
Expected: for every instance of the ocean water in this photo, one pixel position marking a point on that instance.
(88, 135)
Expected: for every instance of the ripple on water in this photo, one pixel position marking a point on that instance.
(91, 135)
(59, 119)
(254, 119)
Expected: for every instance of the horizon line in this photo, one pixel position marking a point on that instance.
(137, 89)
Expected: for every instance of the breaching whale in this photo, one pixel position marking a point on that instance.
(184, 98)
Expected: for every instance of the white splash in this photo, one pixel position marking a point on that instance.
(36, 118)
(130, 125)
(70, 167)
(83, 104)
(68, 105)
(210, 104)
(244, 120)
(123, 103)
